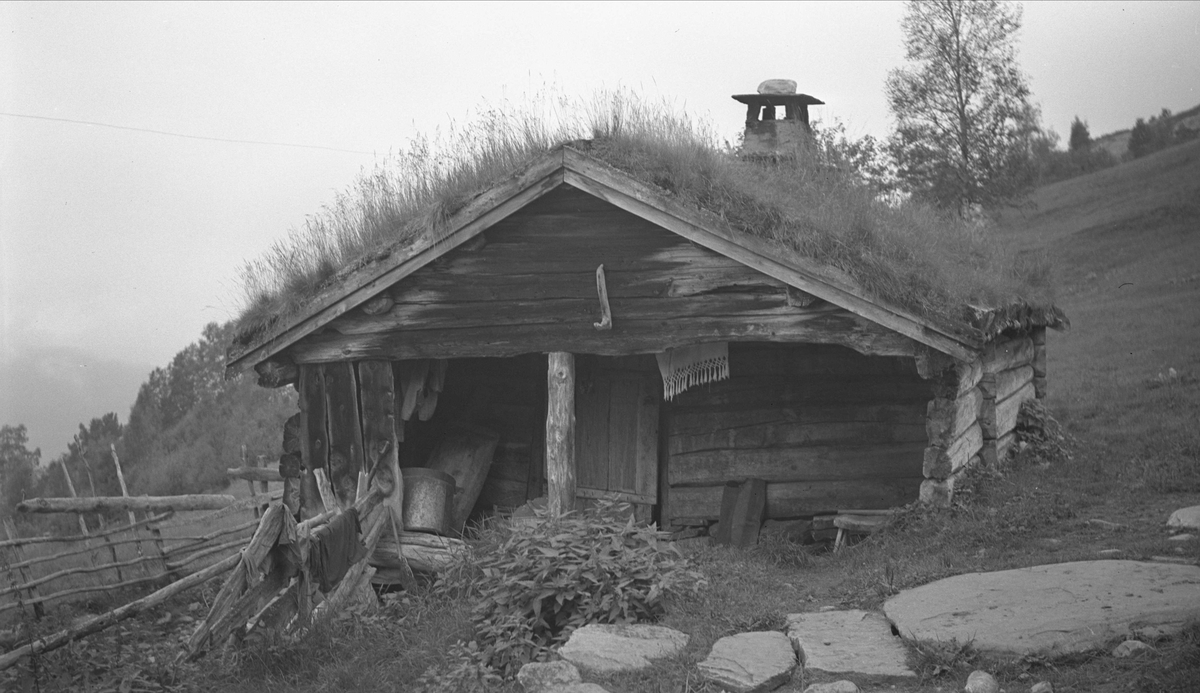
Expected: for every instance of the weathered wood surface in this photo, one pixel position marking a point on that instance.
(799, 498)
(425, 553)
(998, 418)
(812, 463)
(345, 430)
(940, 463)
(560, 432)
(947, 419)
(276, 373)
(465, 453)
(129, 503)
(607, 183)
(742, 507)
(759, 428)
(628, 336)
(823, 390)
(361, 286)
(254, 473)
(996, 452)
(314, 437)
(939, 492)
(1003, 354)
(1002, 384)
(380, 420)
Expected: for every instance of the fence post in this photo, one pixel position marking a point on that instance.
(132, 517)
(79, 516)
(18, 555)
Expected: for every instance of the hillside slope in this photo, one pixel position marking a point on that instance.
(1126, 245)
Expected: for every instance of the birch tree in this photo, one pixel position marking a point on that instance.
(963, 121)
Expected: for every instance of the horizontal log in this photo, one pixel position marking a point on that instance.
(940, 492)
(1002, 385)
(254, 473)
(691, 421)
(756, 392)
(812, 359)
(793, 434)
(87, 589)
(947, 419)
(27, 541)
(619, 496)
(628, 336)
(941, 462)
(1003, 354)
(797, 499)
(125, 503)
(996, 452)
(998, 418)
(809, 463)
(967, 376)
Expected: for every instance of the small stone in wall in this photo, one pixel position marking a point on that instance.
(981, 682)
(1131, 648)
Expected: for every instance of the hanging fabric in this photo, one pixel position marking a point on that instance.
(694, 365)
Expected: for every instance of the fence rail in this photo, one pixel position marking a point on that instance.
(36, 572)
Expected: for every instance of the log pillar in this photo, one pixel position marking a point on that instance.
(560, 432)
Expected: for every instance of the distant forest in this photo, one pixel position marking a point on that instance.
(187, 426)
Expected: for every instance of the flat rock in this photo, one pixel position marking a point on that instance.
(1182, 537)
(981, 682)
(750, 662)
(1050, 609)
(547, 677)
(777, 86)
(1185, 518)
(842, 686)
(1131, 648)
(1042, 687)
(859, 642)
(609, 648)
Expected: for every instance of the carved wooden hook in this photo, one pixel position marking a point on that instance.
(605, 312)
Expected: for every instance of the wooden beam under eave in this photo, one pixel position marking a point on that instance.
(560, 432)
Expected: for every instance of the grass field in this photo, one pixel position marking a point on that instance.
(1126, 242)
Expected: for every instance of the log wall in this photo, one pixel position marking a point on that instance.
(827, 428)
(1010, 375)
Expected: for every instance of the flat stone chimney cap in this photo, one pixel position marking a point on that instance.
(778, 99)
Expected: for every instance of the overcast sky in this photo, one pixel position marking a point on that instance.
(117, 246)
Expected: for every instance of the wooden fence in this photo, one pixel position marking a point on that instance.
(38, 571)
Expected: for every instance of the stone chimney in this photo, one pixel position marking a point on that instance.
(766, 133)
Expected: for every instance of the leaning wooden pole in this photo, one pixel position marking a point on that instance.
(99, 623)
(560, 432)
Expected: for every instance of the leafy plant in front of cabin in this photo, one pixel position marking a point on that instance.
(535, 583)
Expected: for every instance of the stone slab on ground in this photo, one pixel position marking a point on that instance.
(1049, 609)
(1185, 518)
(609, 648)
(750, 662)
(547, 677)
(859, 642)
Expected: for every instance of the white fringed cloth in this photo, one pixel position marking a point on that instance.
(694, 365)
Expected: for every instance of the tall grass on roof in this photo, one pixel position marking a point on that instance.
(814, 205)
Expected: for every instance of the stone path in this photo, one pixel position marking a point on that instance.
(858, 642)
(606, 648)
(750, 662)
(1048, 609)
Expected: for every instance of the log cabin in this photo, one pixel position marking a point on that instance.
(578, 333)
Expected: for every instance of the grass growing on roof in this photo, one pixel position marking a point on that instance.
(815, 205)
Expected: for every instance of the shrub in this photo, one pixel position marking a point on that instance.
(533, 584)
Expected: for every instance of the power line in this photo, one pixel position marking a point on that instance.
(180, 134)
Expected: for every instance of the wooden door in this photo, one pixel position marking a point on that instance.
(616, 431)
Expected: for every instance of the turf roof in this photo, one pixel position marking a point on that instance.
(813, 204)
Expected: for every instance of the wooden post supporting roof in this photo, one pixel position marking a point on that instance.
(560, 432)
